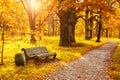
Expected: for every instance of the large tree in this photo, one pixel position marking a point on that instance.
(68, 20)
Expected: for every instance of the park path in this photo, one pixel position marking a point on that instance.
(92, 66)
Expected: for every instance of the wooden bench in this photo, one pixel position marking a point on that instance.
(37, 53)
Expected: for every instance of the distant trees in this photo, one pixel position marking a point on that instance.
(43, 9)
(31, 7)
(93, 13)
(68, 12)
(95, 10)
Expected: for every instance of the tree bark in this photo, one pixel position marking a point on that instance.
(32, 26)
(64, 36)
(86, 25)
(107, 32)
(110, 32)
(91, 25)
(119, 35)
(53, 28)
(99, 30)
(48, 29)
(72, 23)
(3, 42)
(68, 20)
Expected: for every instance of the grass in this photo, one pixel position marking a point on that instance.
(115, 67)
(38, 70)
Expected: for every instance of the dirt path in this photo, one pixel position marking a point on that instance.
(92, 66)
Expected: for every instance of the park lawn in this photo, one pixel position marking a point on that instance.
(115, 67)
(39, 70)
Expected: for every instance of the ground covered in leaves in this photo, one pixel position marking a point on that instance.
(40, 69)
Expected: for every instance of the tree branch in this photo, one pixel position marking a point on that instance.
(24, 5)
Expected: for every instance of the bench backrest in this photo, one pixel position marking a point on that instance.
(30, 52)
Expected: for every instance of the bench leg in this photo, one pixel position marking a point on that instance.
(36, 58)
(26, 60)
(54, 56)
(46, 59)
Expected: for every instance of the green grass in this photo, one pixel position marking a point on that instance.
(115, 67)
(38, 70)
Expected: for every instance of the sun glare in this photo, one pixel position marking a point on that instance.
(35, 4)
(17, 0)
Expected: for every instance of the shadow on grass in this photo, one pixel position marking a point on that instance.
(77, 45)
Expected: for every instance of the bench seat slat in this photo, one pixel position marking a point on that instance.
(40, 52)
(46, 55)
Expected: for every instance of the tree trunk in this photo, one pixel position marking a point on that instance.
(91, 33)
(48, 29)
(99, 30)
(107, 31)
(72, 23)
(49, 24)
(86, 25)
(110, 32)
(31, 16)
(91, 25)
(32, 25)
(64, 36)
(53, 28)
(3, 39)
(72, 34)
(119, 34)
